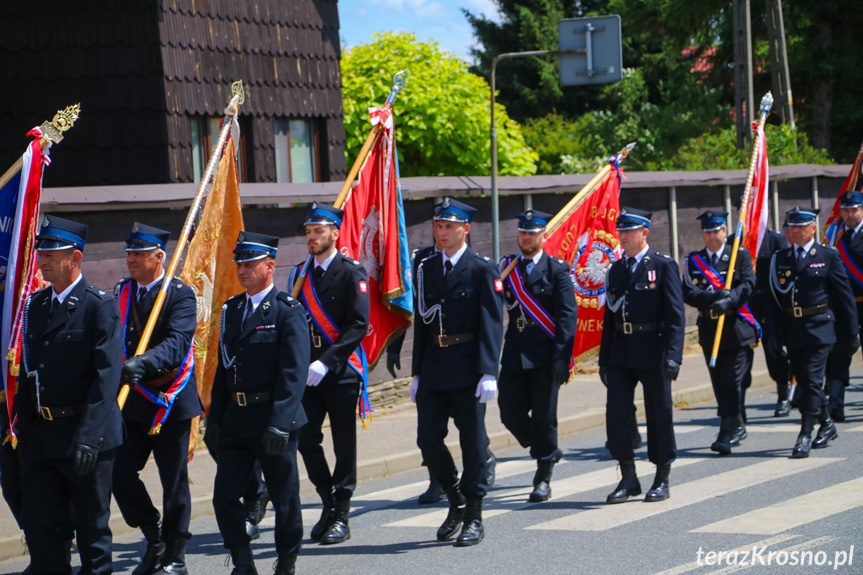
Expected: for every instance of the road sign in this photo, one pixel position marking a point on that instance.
(602, 59)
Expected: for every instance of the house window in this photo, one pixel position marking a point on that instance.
(205, 134)
(297, 151)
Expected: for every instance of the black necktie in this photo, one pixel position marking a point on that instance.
(55, 305)
(319, 273)
(630, 265)
(713, 260)
(447, 267)
(799, 253)
(247, 313)
(142, 291)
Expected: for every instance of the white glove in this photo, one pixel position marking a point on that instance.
(415, 383)
(317, 371)
(487, 388)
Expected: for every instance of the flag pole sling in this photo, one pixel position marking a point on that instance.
(398, 84)
(574, 203)
(236, 100)
(766, 104)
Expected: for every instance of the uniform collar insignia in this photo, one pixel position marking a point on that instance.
(265, 306)
(812, 251)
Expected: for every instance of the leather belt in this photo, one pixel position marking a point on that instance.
(52, 413)
(708, 313)
(448, 340)
(798, 311)
(243, 399)
(522, 323)
(630, 328)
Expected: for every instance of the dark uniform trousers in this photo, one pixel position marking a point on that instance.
(817, 286)
(654, 298)
(269, 360)
(528, 395)
(169, 343)
(471, 302)
(734, 359)
(236, 469)
(343, 294)
(339, 400)
(77, 353)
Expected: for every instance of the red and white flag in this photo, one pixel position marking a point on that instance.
(587, 240)
(757, 211)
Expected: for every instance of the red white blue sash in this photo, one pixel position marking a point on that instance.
(357, 360)
(164, 401)
(528, 303)
(716, 281)
(854, 271)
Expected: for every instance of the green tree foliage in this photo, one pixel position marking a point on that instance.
(554, 137)
(442, 115)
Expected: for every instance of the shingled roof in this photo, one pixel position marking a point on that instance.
(142, 68)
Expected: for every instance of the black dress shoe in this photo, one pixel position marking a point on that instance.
(659, 491)
(783, 408)
(454, 516)
(739, 433)
(339, 531)
(433, 494)
(286, 565)
(155, 552)
(827, 432)
(801, 448)
(722, 445)
(472, 532)
(327, 514)
(628, 486)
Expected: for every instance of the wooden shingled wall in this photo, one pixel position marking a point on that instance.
(287, 54)
(142, 68)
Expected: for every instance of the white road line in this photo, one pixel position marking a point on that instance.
(774, 428)
(611, 516)
(516, 498)
(799, 547)
(679, 429)
(858, 428)
(794, 512)
(696, 565)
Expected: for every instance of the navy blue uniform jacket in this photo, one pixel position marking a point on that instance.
(78, 354)
(817, 279)
(469, 303)
(697, 292)
(657, 300)
(272, 355)
(172, 336)
(347, 306)
(551, 285)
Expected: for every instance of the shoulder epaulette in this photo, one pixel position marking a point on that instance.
(102, 294)
(286, 299)
(482, 257)
(352, 260)
(558, 260)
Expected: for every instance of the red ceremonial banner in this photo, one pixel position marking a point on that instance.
(588, 242)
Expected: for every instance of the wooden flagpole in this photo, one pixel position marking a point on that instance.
(236, 100)
(575, 202)
(766, 104)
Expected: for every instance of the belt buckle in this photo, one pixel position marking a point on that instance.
(441, 340)
(627, 328)
(316, 340)
(241, 399)
(713, 314)
(798, 311)
(520, 324)
(46, 413)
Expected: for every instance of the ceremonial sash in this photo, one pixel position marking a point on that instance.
(716, 281)
(528, 303)
(357, 360)
(164, 401)
(854, 271)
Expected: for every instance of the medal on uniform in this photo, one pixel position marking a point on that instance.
(788, 273)
(782, 281)
(651, 275)
(652, 285)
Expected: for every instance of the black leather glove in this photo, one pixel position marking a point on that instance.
(772, 345)
(136, 368)
(853, 345)
(670, 370)
(275, 440)
(603, 375)
(721, 293)
(211, 440)
(559, 373)
(84, 458)
(721, 305)
(394, 362)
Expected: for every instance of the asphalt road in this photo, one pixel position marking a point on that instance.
(746, 505)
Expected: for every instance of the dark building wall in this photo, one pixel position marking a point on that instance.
(141, 69)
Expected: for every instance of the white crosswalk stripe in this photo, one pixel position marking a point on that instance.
(793, 512)
(516, 498)
(608, 517)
